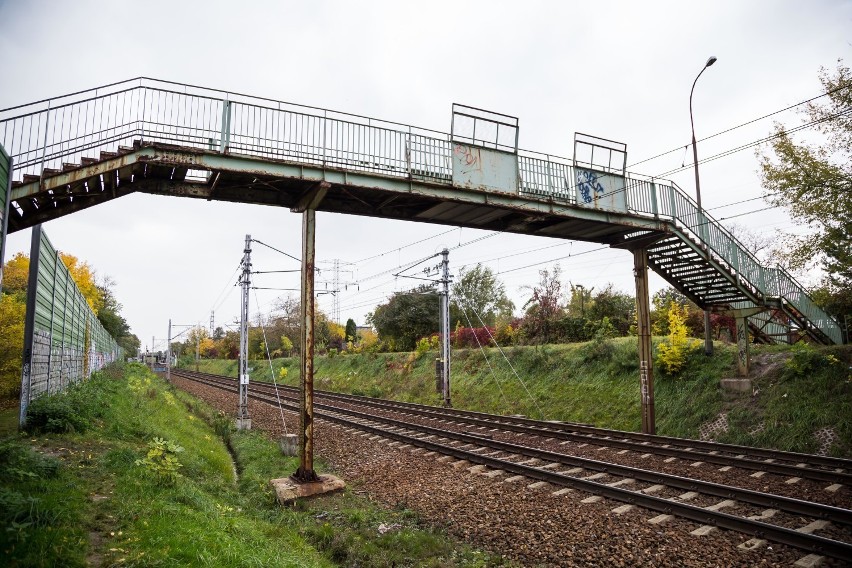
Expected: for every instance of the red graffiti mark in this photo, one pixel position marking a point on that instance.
(469, 156)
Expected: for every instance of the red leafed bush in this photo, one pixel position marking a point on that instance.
(468, 336)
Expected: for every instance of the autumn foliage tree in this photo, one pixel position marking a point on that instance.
(813, 182)
(543, 309)
(99, 296)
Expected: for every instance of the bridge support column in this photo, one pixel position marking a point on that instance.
(306, 472)
(741, 316)
(646, 359)
(743, 356)
(307, 206)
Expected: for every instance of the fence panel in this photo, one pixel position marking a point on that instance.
(64, 342)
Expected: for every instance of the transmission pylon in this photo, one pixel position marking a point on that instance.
(336, 284)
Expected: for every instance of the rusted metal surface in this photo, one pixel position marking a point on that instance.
(484, 169)
(273, 137)
(643, 320)
(306, 472)
(602, 191)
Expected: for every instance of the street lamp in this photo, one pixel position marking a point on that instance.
(708, 338)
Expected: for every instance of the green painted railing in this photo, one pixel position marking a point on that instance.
(43, 135)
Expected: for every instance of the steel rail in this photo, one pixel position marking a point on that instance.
(786, 504)
(643, 441)
(718, 519)
(549, 427)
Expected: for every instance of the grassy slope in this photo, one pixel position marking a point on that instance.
(74, 499)
(597, 384)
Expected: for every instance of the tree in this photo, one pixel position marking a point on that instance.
(813, 182)
(580, 303)
(619, 307)
(672, 354)
(661, 306)
(479, 294)
(543, 308)
(84, 276)
(286, 346)
(16, 273)
(12, 312)
(351, 330)
(407, 317)
(286, 322)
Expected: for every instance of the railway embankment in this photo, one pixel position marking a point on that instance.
(124, 469)
(800, 400)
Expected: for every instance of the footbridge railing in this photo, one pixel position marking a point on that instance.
(45, 135)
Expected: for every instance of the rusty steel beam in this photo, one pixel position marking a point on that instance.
(306, 472)
(646, 359)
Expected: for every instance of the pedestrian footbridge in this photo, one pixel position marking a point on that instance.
(79, 150)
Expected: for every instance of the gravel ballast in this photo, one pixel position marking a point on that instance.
(533, 526)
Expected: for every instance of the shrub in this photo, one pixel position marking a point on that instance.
(806, 361)
(161, 460)
(472, 337)
(599, 348)
(426, 344)
(672, 353)
(58, 413)
(21, 462)
(506, 335)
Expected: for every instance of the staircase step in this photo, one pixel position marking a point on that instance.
(30, 178)
(47, 172)
(88, 161)
(108, 155)
(125, 149)
(66, 167)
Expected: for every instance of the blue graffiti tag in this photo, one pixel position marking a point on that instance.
(587, 182)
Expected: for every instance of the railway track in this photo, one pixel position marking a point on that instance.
(765, 516)
(789, 464)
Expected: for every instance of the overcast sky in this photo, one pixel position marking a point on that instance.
(618, 70)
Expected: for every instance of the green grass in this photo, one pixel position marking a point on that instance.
(8, 421)
(598, 383)
(73, 492)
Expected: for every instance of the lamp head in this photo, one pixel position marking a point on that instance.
(710, 61)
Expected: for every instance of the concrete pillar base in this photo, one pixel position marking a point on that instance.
(243, 423)
(288, 489)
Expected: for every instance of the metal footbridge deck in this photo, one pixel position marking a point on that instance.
(75, 151)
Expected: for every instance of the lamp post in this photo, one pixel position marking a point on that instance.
(708, 337)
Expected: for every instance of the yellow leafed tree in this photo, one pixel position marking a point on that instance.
(84, 277)
(672, 353)
(15, 275)
(11, 343)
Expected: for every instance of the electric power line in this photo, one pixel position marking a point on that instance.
(752, 121)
